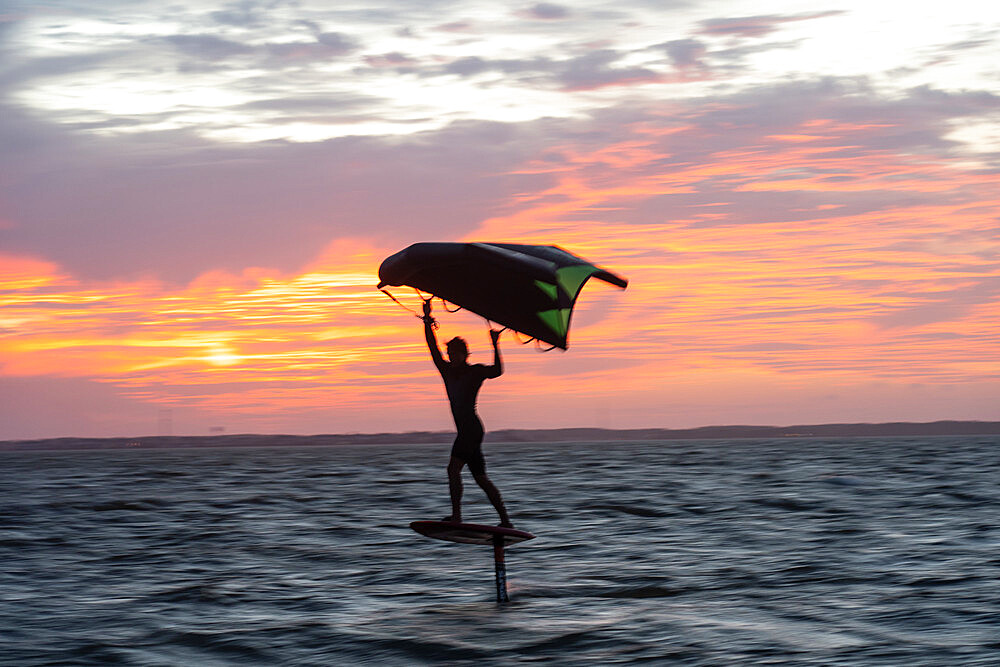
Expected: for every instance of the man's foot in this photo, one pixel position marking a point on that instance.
(452, 519)
(506, 524)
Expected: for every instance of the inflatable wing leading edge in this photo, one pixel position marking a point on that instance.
(528, 288)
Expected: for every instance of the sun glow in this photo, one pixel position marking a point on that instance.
(221, 355)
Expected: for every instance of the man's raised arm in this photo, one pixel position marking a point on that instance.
(496, 370)
(432, 344)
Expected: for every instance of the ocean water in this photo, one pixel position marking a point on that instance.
(777, 552)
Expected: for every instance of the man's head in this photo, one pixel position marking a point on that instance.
(458, 351)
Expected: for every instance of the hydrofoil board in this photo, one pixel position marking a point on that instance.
(469, 533)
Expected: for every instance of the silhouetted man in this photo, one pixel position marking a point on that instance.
(462, 382)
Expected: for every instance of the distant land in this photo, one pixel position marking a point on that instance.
(891, 429)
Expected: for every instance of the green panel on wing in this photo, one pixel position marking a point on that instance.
(571, 278)
(549, 289)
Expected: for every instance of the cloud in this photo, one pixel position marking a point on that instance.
(327, 106)
(241, 14)
(596, 70)
(921, 117)
(21, 72)
(548, 11)
(947, 305)
(590, 71)
(175, 206)
(757, 26)
(326, 47)
(686, 53)
(401, 62)
(971, 43)
(539, 69)
(213, 49)
(456, 26)
(208, 47)
(176, 212)
(473, 65)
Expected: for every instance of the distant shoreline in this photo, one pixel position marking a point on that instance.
(889, 429)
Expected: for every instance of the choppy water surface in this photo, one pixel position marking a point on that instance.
(833, 552)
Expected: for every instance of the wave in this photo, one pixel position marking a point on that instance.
(136, 505)
(643, 592)
(788, 503)
(627, 509)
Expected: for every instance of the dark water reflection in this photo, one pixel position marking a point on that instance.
(713, 552)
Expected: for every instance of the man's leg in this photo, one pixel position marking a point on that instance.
(455, 466)
(493, 493)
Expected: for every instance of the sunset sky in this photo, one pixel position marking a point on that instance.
(195, 198)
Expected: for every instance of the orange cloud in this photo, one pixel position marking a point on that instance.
(886, 292)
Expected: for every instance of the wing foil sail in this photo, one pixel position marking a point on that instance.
(528, 288)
